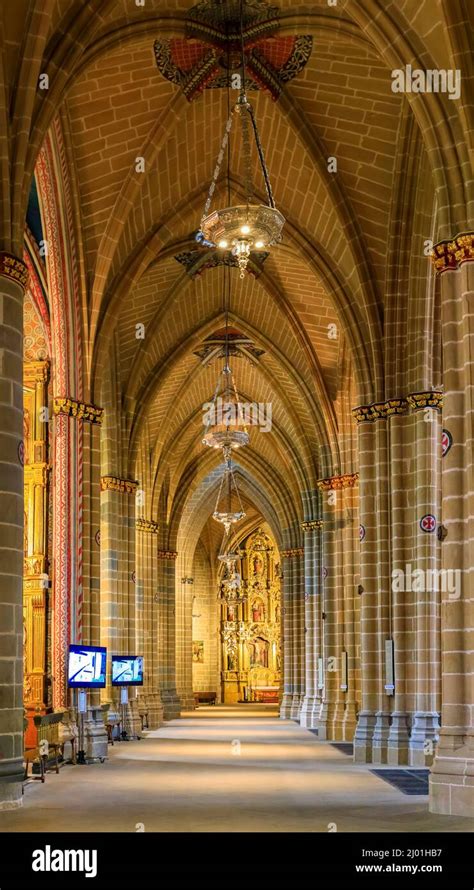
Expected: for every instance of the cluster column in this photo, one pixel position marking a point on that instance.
(13, 280)
(452, 778)
(147, 606)
(312, 582)
(166, 583)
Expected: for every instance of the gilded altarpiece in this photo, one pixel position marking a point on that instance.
(36, 578)
(251, 629)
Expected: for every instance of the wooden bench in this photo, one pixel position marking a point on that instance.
(205, 698)
(50, 743)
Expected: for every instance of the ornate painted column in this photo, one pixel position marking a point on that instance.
(166, 583)
(452, 777)
(13, 281)
(36, 569)
(312, 582)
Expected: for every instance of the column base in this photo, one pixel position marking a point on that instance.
(424, 738)
(380, 737)
(322, 721)
(363, 737)
(11, 784)
(309, 712)
(350, 721)
(336, 723)
(154, 710)
(171, 704)
(296, 705)
(286, 705)
(452, 775)
(398, 739)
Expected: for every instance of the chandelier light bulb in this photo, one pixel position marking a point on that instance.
(223, 244)
(245, 230)
(259, 245)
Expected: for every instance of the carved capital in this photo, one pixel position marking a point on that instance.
(291, 554)
(452, 254)
(14, 269)
(312, 525)
(114, 483)
(147, 525)
(380, 410)
(432, 399)
(73, 408)
(336, 483)
(167, 554)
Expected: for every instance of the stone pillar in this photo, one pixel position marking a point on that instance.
(369, 654)
(337, 713)
(149, 696)
(312, 581)
(298, 605)
(452, 777)
(426, 595)
(166, 583)
(288, 643)
(403, 493)
(13, 280)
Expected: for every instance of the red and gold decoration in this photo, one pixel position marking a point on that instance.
(452, 254)
(251, 626)
(208, 57)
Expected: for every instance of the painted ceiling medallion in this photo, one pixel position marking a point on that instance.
(209, 55)
(236, 344)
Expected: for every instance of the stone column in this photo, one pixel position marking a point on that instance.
(312, 580)
(288, 643)
(166, 583)
(402, 489)
(426, 595)
(452, 778)
(150, 698)
(298, 605)
(369, 654)
(13, 280)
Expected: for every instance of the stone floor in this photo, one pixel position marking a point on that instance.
(223, 769)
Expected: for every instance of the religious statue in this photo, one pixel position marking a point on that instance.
(257, 565)
(257, 610)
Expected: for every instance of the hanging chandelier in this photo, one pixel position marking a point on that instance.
(227, 516)
(226, 427)
(248, 227)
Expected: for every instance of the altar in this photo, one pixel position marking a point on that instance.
(251, 628)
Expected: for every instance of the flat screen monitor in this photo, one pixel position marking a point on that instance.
(127, 670)
(86, 667)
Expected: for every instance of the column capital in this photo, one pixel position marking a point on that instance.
(452, 254)
(147, 525)
(294, 551)
(311, 525)
(13, 268)
(115, 483)
(380, 410)
(431, 399)
(73, 408)
(333, 483)
(167, 554)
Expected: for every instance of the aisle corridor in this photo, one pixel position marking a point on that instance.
(223, 769)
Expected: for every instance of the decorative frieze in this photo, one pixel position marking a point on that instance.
(312, 525)
(147, 525)
(167, 554)
(452, 254)
(336, 483)
(114, 483)
(418, 400)
(73, 408)
(13, 268)
(380, 410)
(295, 551)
